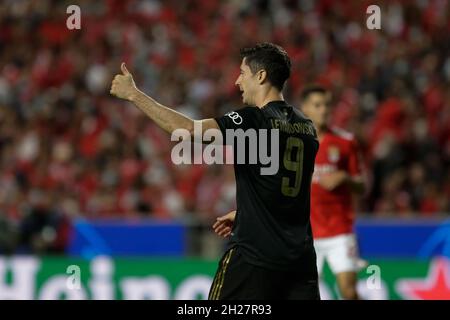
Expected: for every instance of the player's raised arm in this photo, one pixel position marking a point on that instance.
(124, 87)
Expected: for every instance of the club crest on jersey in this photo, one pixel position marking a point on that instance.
(333, 154)
(233, 115)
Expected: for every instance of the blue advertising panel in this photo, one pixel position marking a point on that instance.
(377, 238)
(403, 238)
(124, 238)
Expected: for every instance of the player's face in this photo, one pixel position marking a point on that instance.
(247, 83)
(317, 108)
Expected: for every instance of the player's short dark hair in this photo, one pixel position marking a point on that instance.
(270, 57)
(310, 89)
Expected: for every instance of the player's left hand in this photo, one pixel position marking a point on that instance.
(123, 85)
(331, 181)
(224, 224)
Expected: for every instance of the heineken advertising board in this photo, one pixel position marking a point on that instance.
(24, 277)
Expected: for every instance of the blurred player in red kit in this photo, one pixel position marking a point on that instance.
(337, 176)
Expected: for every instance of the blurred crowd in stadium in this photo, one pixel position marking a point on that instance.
(68, 149)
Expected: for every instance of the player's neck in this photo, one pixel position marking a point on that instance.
(265, 96)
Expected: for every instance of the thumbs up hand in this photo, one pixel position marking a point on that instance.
(123, 85)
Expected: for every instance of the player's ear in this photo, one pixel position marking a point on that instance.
(262, 76)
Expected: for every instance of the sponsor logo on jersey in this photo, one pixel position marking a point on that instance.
(233, 115)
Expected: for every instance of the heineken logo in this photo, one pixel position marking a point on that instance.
(105, 278)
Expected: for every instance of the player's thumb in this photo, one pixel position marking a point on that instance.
(124, 69)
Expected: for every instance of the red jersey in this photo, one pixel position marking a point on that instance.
(332, 212)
